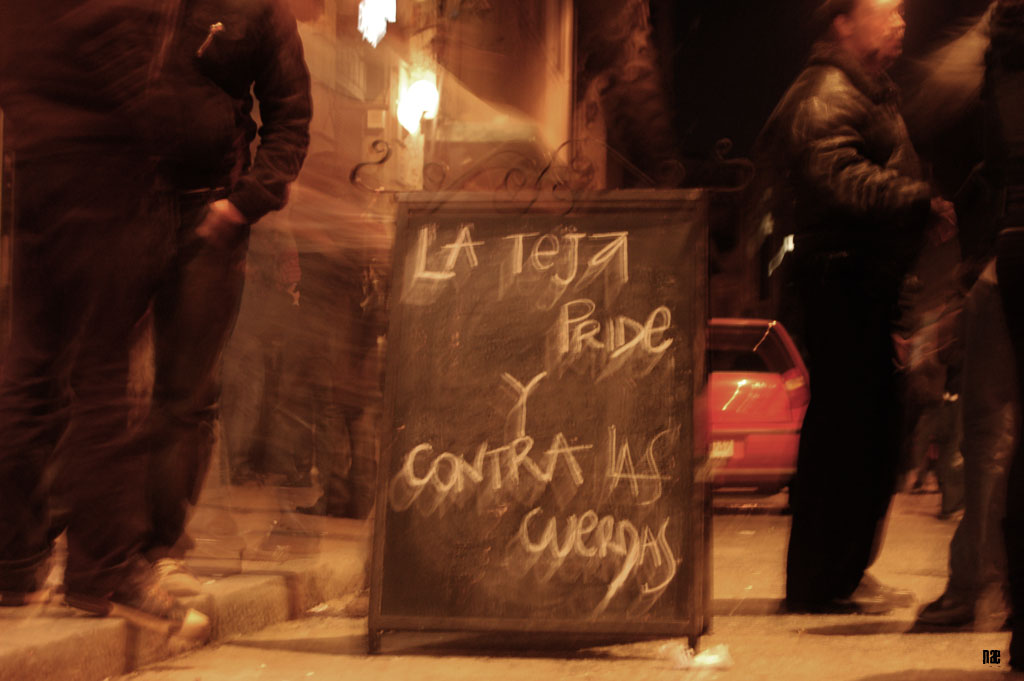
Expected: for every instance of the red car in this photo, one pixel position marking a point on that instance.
(758, 394)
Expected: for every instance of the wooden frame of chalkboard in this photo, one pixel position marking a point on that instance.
(544, 423)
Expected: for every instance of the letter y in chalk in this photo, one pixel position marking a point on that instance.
(516, 420)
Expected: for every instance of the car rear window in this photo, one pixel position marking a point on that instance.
(747, 348)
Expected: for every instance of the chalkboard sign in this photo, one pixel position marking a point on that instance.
(542, 423)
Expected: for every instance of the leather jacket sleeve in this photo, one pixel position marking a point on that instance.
(282, 87)
(831, 154)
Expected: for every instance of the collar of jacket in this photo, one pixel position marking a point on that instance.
(878, 88)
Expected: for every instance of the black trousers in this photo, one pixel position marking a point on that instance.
(342, 386)
(194, 311)
(849, 447)
(1010, 271)
(977, 562)
(92, 234)
(98, 241)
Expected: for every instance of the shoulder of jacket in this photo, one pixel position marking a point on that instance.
(829, 82)
(823, 91)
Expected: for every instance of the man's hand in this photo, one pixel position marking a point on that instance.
(221, 224)
(942, 222)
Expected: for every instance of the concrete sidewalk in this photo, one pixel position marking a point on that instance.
(749, 559)
(267, 565)
(276, 584)
(763, 644)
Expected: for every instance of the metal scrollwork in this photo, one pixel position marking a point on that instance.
(514, 181)
(379, 147)
(738, 173)
(522, 173)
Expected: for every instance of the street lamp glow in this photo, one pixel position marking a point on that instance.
(374, 16)
(419, 101)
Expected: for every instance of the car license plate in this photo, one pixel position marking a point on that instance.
(726, 449)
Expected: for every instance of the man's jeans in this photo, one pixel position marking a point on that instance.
(91, 237)
(194, 312)
(977, 559)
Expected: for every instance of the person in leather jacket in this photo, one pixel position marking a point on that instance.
(846, 182)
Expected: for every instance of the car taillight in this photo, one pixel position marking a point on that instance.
(796, 388)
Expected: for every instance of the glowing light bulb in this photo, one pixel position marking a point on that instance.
(419, 101)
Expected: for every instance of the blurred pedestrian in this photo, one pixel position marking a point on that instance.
(343, 315)
(976, 591)
(268, 435)
(932, 373)
(849, 187)
(1003, 97)
(218, 55)
(321, 417)
(92, 236)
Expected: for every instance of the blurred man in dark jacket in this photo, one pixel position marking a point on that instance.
(848, 187)
(217, 52)
(91, 237)
(1003, 97)
(130, 124)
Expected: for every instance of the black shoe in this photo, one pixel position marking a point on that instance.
(947, 611)
(954, 512)
(992, 609)
(323, 507)
(318, 507)
(1015, 656)
(873, 592)
(833, 606)
(870, 598)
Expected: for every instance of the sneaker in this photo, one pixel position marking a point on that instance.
(143, 603)
(175, 578)
(872, 590)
